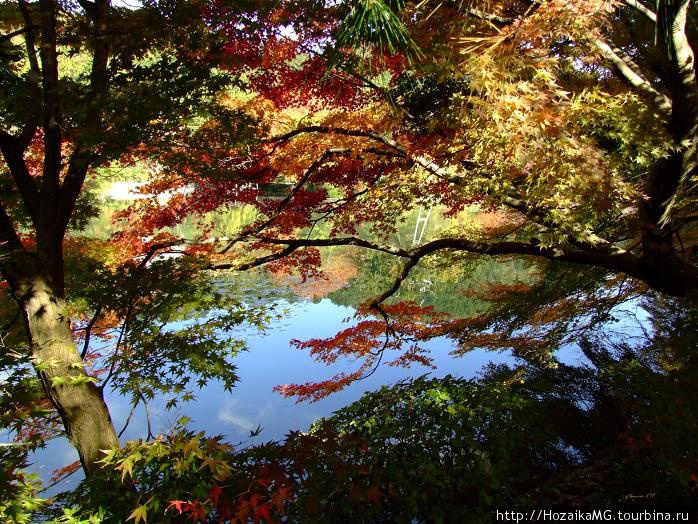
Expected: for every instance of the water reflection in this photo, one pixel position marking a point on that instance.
(270, 361)
(315, 309)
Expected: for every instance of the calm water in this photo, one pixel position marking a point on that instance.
(270, 361)
(315, 309)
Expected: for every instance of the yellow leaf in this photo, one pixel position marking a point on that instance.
(191, 446)
(126, 467)
(138, 514)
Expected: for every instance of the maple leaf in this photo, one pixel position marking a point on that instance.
(215, 494)
(179, 505)
(138, 514)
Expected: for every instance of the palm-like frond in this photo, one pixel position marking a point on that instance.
(377, 22)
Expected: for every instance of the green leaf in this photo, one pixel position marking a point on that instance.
(58, 381)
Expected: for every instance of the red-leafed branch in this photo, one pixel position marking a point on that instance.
(302, 181)
(514, 202)
(388, 142)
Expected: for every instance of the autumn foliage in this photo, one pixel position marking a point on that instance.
(567, 128)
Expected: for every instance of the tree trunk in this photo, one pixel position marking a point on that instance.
(54, 353)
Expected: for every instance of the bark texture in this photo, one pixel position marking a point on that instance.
(55, 356)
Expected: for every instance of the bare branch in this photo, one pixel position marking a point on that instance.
(642, 8)
(88, 331)
(630, 72)
(396, 283)
(134, 405)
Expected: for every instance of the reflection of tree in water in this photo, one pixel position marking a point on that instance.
(224, 222)
(616, 429)
(338, 268)
(444, 288)
(354, 275)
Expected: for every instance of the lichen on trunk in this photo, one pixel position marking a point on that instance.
(55, 356)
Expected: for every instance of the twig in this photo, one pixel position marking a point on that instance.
(88, 331)
(128, 419)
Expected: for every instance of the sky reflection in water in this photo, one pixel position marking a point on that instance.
(270, 361)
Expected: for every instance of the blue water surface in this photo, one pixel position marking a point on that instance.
(271, 360)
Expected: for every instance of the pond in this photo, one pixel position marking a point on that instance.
(312, 309)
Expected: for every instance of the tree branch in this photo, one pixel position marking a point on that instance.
(89, 7)
(88, 331)
(12, 152)
(9, 241)
(590, 241)
(630, 73)
(9, 36)
(282, 205)
(34, 111)
(673, 276)
(482, 15)
(376, 302)
(257, 262)
(51, 108)
(83, 156)
(614, 259)
(636, 4)
(388, 142)
(297, 187)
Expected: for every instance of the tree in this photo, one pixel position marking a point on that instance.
(573, 121)
(84, 85)
(530, 110)
(563, 118)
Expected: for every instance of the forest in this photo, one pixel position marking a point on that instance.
(347, 260)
